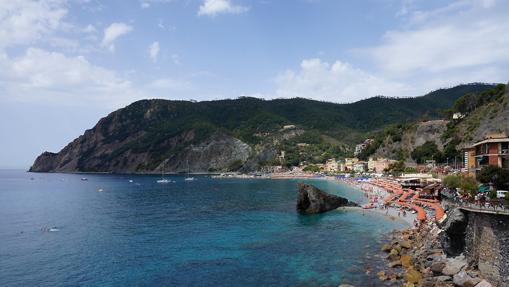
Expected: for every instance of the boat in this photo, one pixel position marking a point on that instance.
(84, 179)
(163, 180)
(188, 178)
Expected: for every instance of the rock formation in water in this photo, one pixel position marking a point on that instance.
(313, 200)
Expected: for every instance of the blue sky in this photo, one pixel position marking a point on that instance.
(64, 64)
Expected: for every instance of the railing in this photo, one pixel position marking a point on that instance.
(483, 205)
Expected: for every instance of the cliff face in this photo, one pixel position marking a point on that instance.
(489, 117)
(130, 140)
(410, 139)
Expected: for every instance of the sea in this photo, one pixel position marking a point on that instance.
(129, 230)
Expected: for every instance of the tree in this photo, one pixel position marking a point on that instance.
(465, 183)
(427, 151)
(495, 175)
(452, 181)
(396, 168)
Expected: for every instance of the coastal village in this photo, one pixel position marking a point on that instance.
(460, 233)
(458, 211)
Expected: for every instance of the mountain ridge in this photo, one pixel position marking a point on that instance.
(147, 135)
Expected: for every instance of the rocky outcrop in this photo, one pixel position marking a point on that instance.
(218, 153)
(312, 200)
(453, 236)
(418, 135)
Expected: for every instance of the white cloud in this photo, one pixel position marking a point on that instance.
(214, 7)
(112, 32)
(176, 59)
(166, 84)
(25, 22)
(337, 82)
(53, 78)
(462, 36)
(89, 29)
(147, 3)
(153, 51)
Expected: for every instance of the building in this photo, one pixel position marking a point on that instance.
(360, 166)
(349, 163)
(362, 146)
(493, 150)
(331, 166)
(379, 165)
(288, 127)
(458, 116)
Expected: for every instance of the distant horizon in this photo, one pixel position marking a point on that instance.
(65, 64)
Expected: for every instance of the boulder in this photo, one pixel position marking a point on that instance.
(395, 263)
(454, 227)
(483, 283)
(312, 200)
(406, 261)
(443, 278)
(382, 276)
(386, 248)
(413, 276)
(437, 267)
(454, 266)
(406, 244)
(464, 280)
(393, 255)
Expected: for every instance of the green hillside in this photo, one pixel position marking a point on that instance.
(146, 133)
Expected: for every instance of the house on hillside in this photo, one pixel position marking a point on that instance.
(362, 146)
(379, 165)
(331, 166)
(493, 150)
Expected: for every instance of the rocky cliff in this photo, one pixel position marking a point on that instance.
(414, 136)
(489, 114)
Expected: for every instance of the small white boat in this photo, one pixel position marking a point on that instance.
(163, 180)
(84, 179)
(188, 178)
(131, 180)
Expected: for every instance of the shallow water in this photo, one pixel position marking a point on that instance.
(209, 232)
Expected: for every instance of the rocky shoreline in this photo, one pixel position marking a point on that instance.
(415, 258)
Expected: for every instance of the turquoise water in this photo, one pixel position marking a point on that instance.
(210, 232)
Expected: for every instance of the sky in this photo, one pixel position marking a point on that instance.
(65, 64)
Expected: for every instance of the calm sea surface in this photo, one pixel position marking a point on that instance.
(209, 232)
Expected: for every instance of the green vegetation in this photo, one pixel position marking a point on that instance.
(392, 133)
(495, 175)
(235, 165)
(163, 128)
(311, 147)
(396, 169)
(465, 183)
(311, 168)
(427, 151)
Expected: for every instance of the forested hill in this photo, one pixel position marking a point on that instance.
(228, 134)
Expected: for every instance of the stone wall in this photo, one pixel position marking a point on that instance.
(487, 245)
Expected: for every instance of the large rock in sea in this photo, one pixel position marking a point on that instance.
(312, 200)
